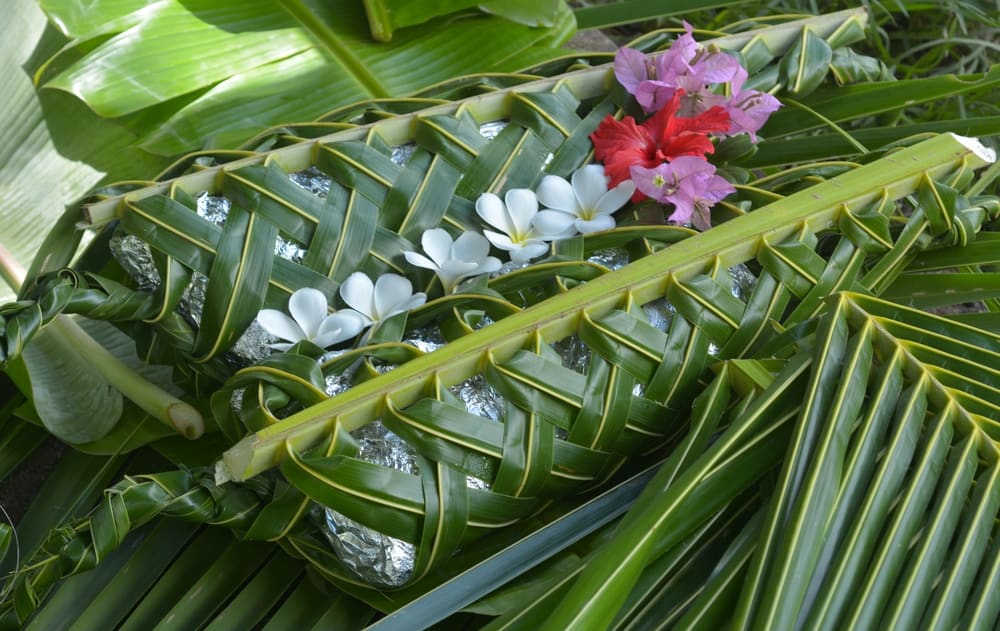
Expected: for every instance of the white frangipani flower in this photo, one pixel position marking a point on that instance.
(585, 206)
(515, 219)
(310, 321)
(387, 296)
(453, 261)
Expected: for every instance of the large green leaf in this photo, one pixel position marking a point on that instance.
(28, 155)
(385, 16)
(56, 149)
(73, 401)
(213, 72)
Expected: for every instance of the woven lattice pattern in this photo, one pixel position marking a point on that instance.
(567, 427)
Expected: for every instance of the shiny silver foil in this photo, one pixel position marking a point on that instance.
(216, 209)
(490, 130)
(401, 153)
(744, 281)
(659, 313)
(574, 353)
(135, 257)
(373, 556)
(313, 180)
(611, 258)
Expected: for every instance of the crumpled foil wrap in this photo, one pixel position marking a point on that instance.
(611, 258)
(136, 259)
(375, 557)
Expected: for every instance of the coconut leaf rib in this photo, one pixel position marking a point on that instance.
(735, 242)
(739, 383)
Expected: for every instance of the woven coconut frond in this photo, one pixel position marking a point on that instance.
(755, 287)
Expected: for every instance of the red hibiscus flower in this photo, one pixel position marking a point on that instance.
(620, 145)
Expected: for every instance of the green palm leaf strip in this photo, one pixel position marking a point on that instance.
(763, 44)
(734, 242)
(886, 497)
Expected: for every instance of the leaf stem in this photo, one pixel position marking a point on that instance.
(10, 269)
(153, 400)
(149, 397)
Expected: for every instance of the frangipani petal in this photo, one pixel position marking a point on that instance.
(410, 303)
(554, 223)
(491, 209)
(615, 198)
(339, 326)
(501, 241)
(391, 291)
(454, 270)
(522, 204)
(419, 260)
(470, 246)
(280, 325)
(589, 184)
(528, 251)
(556, 193)
(358, 292)
(308, 307)
(437, 244)
(489, 265)
(597, 224)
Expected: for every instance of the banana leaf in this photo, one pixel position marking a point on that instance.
(752, 397)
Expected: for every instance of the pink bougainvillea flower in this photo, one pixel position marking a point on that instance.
(748, 110)
(653, 81)
(664, 137)
(632, 67)
(689, 183)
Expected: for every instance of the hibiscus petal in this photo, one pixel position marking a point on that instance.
(391, 290)
(619, 145)
(470, 246)
(589, 184)
(554, 223)
(522, 205)
(419, 260)
(491, 209)
(358, 292)
(437, 244)
(556, 193)
(308, 307)
(280, 325)
(615, 198)
(597, 224)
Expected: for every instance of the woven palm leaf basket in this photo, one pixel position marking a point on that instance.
(504, 402)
